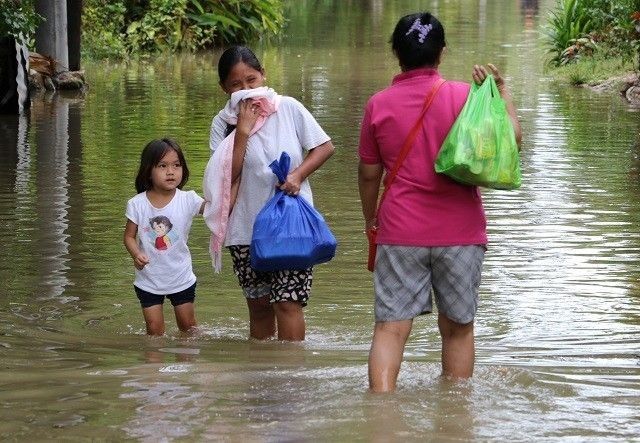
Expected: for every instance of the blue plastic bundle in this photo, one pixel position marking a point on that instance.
(288, 232)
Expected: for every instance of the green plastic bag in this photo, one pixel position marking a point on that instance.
(481, 147)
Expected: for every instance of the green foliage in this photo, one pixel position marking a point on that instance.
(18, 19)
(239, 20)
(612, 13)
(124, 27)
(165, 26)
(102, 25)
(607, 26)
(567, 23)
(615, 26)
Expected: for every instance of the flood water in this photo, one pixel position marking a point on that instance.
(557, 332)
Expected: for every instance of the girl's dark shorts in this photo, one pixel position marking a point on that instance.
(286, 285)
(147, 299)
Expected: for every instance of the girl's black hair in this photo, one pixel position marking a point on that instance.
(234, 55)
(229, 58)
(151, 156)
(407, 45)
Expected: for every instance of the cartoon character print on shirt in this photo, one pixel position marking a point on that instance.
(160, 233)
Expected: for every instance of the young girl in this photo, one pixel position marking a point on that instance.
(262, 125)
(158, 223)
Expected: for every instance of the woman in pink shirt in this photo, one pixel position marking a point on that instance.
(431, 230)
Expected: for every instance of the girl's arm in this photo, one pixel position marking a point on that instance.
(369, 177)
(314, 159)
(140, 260)
(479, 74)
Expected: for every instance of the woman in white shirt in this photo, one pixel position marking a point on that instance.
(275, 299)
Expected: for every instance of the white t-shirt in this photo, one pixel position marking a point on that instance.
(162, 236)
(291, 129)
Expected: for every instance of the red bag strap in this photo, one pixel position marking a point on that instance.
(408, 143)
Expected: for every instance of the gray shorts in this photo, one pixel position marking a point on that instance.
(405, 278)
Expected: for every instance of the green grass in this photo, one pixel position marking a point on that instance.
(592, 71)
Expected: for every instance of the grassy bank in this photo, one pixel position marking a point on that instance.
(595, 71)
(594, 42)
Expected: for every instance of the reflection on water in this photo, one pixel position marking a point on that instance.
(529, 10)
(558, 347)
(51, 194)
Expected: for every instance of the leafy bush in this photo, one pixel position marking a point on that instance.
(608, 24)
(124, 27)
(102, 29)
(238, 20)
(165, 26)
(614, 26)
(18, 19)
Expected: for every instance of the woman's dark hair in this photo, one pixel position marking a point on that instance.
(231, 57)
(234, 55)
(418, 40)
(151, 156)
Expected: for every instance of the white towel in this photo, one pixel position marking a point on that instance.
(217, 175)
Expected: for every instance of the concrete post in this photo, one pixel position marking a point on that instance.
(51, 35)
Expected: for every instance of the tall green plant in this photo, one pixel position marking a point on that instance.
(239, 20)
(568, 22)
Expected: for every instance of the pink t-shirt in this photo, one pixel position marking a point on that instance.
(422, 208)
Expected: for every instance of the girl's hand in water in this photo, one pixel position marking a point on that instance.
(480, 73)
(247, 116)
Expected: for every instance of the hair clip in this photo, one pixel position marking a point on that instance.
(422, 29)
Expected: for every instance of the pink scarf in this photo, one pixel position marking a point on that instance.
(217, 189)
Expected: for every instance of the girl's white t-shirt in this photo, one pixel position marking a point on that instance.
(162, 236)
(292, 129)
